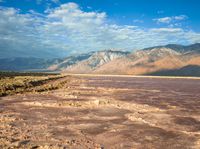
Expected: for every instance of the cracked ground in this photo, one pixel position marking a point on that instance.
(105, 112)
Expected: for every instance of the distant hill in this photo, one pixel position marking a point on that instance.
(26, 63)
(171, 59)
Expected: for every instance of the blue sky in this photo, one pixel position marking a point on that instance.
(57, 28)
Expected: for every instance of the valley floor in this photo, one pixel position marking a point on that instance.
(90, 111)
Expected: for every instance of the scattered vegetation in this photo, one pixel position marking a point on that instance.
(13, 83)
(4, 74)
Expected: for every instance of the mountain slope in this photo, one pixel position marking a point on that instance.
(189, 70)
(96, 60)
(26, 64)
(90, 60)
(69, 61)
(154, 59)
(146, 61)
(193, 48)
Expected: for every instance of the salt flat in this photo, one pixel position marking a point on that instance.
(93, 111)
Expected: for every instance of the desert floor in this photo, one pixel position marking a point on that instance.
(105, 112)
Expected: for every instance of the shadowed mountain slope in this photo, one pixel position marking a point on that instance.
(145, 61)
(189, 70)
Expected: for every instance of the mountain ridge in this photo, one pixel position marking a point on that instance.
(178, 48)
(140, 62)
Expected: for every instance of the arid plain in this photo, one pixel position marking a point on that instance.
(105, 112)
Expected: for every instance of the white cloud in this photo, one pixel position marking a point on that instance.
(168, 30)
(168, 20)
(67, 29)
(163, 20)
(181, 17)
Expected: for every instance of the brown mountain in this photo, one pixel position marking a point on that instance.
(160, 60)
(146, 61)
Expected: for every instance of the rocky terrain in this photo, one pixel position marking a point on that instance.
(154, 60)
(104, 112)
(89, 62)
(172, 60)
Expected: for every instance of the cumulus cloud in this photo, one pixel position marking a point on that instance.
(181, 17)
(167, 30)
(163, 20)
(67, 29)
(168, 20)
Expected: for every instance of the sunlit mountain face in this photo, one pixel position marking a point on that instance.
(172, 59)
(60, 28)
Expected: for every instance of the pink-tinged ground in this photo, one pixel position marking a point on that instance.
(105, 112)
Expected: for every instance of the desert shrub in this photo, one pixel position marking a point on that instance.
(14, 74)
(20, 84)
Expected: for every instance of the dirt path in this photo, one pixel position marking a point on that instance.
(105, 112)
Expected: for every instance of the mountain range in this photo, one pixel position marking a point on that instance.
(172, 59)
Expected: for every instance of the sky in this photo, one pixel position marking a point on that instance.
(59, 28)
